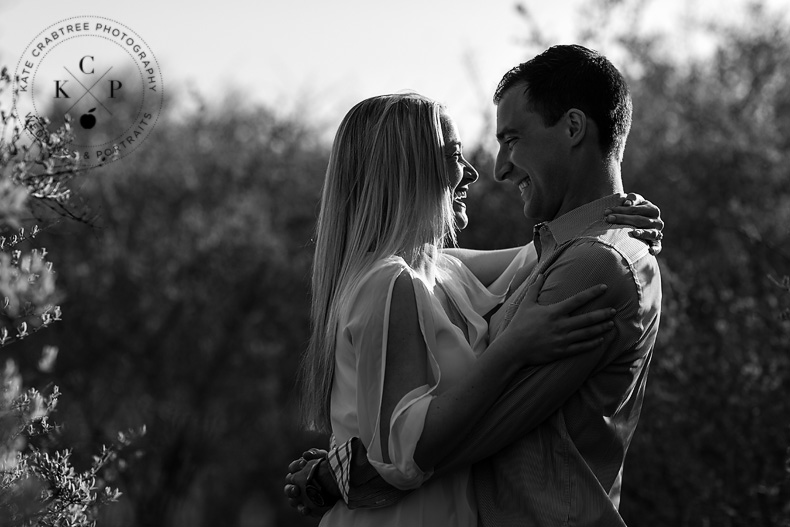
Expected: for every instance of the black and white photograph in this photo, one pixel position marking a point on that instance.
(411, 264)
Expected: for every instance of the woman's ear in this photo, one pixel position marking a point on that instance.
(576, 125)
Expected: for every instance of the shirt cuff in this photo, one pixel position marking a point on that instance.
(339, 458)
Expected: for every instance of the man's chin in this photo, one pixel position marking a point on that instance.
(533, 215)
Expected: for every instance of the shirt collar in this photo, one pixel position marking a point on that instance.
(571, 224)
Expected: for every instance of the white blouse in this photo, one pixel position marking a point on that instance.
(360, 359)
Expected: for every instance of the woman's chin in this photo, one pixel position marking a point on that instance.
(461, 220)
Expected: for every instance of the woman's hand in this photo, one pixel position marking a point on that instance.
(548, 333)
(640, 213)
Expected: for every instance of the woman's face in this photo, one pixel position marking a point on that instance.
(461, 173)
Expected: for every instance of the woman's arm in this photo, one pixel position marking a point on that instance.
(639, 212)
(487, 266)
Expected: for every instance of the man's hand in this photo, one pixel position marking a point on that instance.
(296, 485)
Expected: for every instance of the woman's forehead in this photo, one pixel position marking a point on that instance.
(449, 129)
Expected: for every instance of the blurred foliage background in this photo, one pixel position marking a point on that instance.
(186, 295)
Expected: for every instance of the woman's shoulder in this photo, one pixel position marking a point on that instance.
(383, 272)
(368, 301)
(453, 269)
(376, 280)
(464, 286)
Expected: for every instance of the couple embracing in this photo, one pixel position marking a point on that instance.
(465, 387)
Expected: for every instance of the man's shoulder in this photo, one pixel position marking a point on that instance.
(604, 238)
(609, 254)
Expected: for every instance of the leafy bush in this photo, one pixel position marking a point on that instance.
(37, 487)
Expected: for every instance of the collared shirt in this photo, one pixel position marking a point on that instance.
(551, 450)
(576, 416)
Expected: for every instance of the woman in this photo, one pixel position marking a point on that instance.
(398, 330)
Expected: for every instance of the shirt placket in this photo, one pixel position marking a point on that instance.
(544, 246)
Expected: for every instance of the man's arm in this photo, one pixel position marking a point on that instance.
(363, 486)
(540, 391)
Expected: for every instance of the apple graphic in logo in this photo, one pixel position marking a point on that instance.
(88, 120)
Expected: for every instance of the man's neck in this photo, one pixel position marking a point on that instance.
(589, 185)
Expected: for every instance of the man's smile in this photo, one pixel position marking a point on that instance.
(524, 185)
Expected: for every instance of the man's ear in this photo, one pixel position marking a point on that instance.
(576, 126)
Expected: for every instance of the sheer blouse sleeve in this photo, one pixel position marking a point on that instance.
(366, 328)
(467, 288)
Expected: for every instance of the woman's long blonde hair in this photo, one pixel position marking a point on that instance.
(386, 193)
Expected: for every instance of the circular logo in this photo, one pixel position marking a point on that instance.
(98, 72)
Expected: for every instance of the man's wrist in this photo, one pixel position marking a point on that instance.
(326, 479)
(320, 485)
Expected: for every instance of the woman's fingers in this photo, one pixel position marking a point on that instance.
(589, 331)
(643, 215)
(649, 234)
(638, 221)
(637, 212)
(655, 247)
(588, 320)
(586, 339)
(652, 237)
(642, 209)
(632, 198)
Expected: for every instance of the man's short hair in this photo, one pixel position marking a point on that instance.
(572, 76)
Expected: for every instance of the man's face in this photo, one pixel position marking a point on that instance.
(531, 156)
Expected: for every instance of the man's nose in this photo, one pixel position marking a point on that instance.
(503, 166)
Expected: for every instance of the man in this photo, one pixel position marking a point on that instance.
(551, 451)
